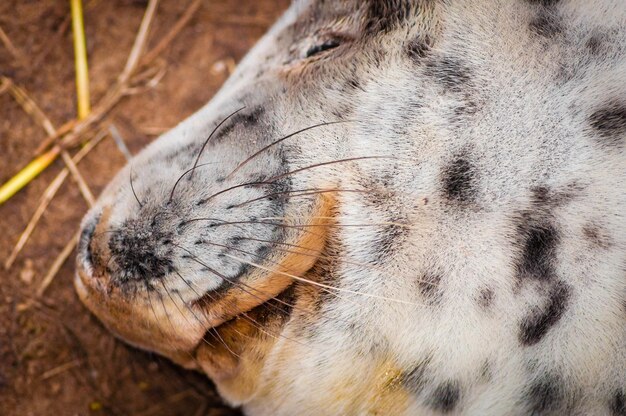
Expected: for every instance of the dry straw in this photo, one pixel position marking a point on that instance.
(39, 164)
(87, 123)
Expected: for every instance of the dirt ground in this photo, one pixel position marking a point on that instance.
(55, 358)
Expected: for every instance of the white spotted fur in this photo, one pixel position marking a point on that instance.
(530, 129)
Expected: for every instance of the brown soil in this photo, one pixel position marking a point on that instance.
(55, 358)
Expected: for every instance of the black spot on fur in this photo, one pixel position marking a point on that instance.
(609, 123)
(544, 3)
(409, 111)
(263, 251)
(235, 241)
(594, 44)
(385, 15)
(546, 23)
(543, 196)
(418, 48)
(429, 287)
(445, 397)
(534, 327)
(354, 83)
(468, 108)
(450, 73)
(458, 180)
(182, 153)
(485, 298)
(597, 236)
(540, 195)
(618, 404)
(243, 270)
(545, 395)
(538, 255)
(388, 240)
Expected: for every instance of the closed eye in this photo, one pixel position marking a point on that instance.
(322, 47)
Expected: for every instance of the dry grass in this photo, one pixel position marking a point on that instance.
(83, 124)
(53, 348)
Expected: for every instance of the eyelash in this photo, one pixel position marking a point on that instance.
(327, 45)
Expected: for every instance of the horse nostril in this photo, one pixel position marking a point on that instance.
(84, 243)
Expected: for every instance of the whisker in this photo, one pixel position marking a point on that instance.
(260, 256)
(321, 256)
(278, 242)
(273, 179)
(188, 284)
(373, 224)
(271, 241)
(257, 256)
(303, 227)
(173, 301)
(216, 332)
(187, 306)
(132, 187)
(252, 288)
(223, 191)
(167, 315)
(183, 175)
(190, 309)
(156, 319)
(240, 285)
(215, 272)
(332, 162)
(254, 323)
(195, 164)
(203, 323)
(241, 333)
(322, 285)
(235, 223)
(308, 280)
(281, 140)
(273, 334)
(186, 319)
(224, 342)
(260, 326)
(304, 192)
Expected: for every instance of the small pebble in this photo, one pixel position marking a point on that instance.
(28, 272)
(95, 406)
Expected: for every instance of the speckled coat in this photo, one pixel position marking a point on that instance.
(393, 207)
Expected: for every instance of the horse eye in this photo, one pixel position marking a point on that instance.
(329, 44)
